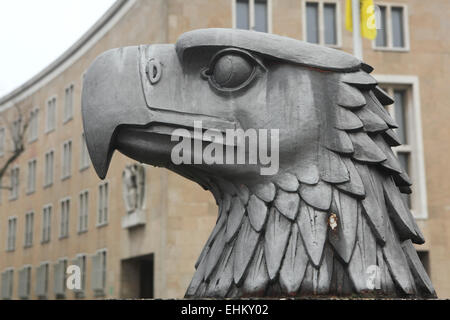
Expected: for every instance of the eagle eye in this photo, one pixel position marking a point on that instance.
(231, 69)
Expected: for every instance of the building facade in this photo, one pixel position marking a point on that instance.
(139, 232)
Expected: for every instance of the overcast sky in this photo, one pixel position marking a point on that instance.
(33, 33)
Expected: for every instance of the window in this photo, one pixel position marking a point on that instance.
(16, 133)
(46, 223)
(252, 15)
(84, 160)
(14, 192)
(80, 261)
(42, 280)
(51, 115)
(83, 212)
(7, 283)
(64, 221)
(59, 270)
(99, 273)
(102, 217)
(321, 23)
(29, 226)
(393, 28)
(48, 174)
(2, 141)
(31, 182)
(406, 112)
(25, 282)
(68, 103)
(33, 126)
(11, 239)
(67, 159)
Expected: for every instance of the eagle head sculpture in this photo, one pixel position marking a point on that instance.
(331, 221)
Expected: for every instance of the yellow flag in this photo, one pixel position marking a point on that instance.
(367, 10)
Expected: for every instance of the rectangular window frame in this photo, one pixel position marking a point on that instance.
(81, 258)
(68, 103)
(85, 160)
(24, 285)
(99, 288)
(7, 292)
(64, 217)
(28, 230)
(44, 293)
(321, 26)
(46, 230)
(418, 174)
(15, 183)
(252, 15)
(66, 163)
(49, 180)
(102, 218)
(389, 36)
(54, 100)
(31, 176)
(33, 132)
(11, 236)
(83, 212)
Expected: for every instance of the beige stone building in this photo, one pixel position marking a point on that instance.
(55, 212)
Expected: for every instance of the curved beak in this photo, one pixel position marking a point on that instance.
(112, 96)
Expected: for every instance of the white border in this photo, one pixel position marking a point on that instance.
(390, 47)
(420, 183)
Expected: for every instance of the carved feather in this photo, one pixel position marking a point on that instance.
(214, 253)
(235, 216)
(365, 149)
(382, 96)
(325, 271)
(307, 173)
(332, 168)
(257, 277)
(294, 263)
(318, 196)
(386, 283)
(364, 255)
(287, 203)
(398, 211)
(376, 107)
(372, 122)
(397, 263)
(391, 163)
(313, 229)
(219, 225)
(339, 142)
(344, 236)
(222, 278)
(374, 203)
(350, 97)
(347, 120)
(265, 191)
(244, 248)
(257, 212)
(354, 186)
(287, 181)
(391, 138)
(198, 277)
(359, 79)
(420, 275)
(276, 236)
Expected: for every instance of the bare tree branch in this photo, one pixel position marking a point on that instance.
(17, 129)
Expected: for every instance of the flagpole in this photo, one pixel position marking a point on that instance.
(356, 18)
